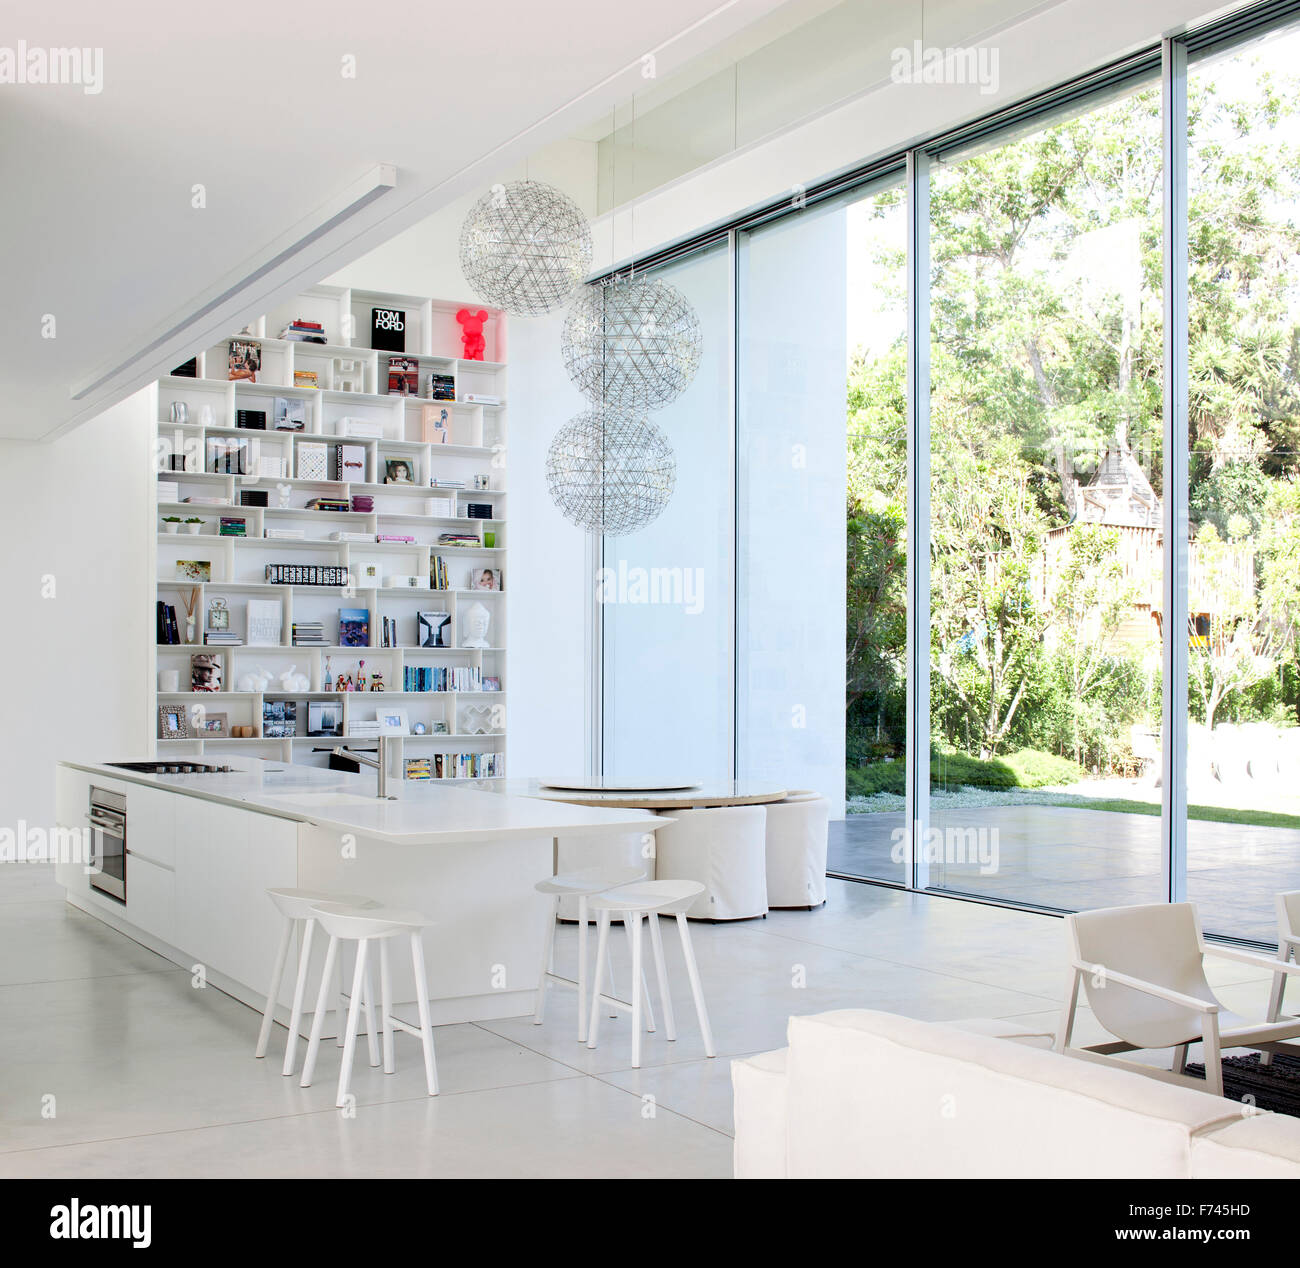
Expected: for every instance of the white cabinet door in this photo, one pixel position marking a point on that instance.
(226, 860)
(151, 824)
(151, 898)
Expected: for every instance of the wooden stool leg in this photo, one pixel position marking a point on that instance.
(354, 1019)
(386, 1006)
(548, 957)
(318, 1018)
(277, 978)
(299, 994)
(602, 958)
(661, 973)
(693, 972)
(422, 1002)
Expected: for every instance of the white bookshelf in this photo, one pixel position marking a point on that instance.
(436, 501)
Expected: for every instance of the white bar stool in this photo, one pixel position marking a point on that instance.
(363, 925)
(580, 885)
(295, 906)
(649, 898)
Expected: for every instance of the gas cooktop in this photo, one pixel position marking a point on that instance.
(172, 768)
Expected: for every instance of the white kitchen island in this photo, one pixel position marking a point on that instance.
(203, 849)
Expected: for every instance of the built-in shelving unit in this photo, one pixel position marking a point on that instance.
(428, 467)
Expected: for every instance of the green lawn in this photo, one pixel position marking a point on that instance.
(1209, 814)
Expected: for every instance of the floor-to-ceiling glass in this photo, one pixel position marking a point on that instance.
(821, 513)
(1243, 736)
(666, 592)
(1045, 537)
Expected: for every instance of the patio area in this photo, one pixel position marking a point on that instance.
(1073, 858)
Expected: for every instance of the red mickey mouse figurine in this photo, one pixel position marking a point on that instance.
(472, 337)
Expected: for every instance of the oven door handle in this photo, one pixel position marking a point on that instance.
(115, 826)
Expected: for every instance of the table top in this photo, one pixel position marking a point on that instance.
(713, 792)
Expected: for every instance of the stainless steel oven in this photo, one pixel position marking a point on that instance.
(107, 816)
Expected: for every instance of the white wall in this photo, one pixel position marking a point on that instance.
(77, 522)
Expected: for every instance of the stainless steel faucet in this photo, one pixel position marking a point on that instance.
(379, 762)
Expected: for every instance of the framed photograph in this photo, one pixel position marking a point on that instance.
(324, 717)
(392, 722)
(399, 471)
(173, 723)
(485, 579)
(205, 672)
(438, 728)
(491, 684)
(213, 724)
(193, 570)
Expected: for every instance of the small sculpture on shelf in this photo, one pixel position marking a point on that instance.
(344, 683)
(377, 680)
(472, 334)
(258, 679)
(292, 680)
(361, 675)
(474, 626)
(284, 490)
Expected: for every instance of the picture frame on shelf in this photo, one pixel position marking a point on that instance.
(492, 683)
(393, 722)
(399, 471)
(173, 722)
(485, 579)
(205, 672)
(199, 570)
(213, 725)
(324, 717)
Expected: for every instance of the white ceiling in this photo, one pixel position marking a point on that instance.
(97, 225)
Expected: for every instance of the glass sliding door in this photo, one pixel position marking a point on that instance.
(1045, 537)
(666, 592)
(821, 511)
(1243, 738)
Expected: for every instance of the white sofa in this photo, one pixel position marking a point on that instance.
(871, 1094)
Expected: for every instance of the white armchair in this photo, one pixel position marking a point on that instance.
(1143, 970)
(1288, 949)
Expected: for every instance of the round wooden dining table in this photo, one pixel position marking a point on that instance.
(656, 795)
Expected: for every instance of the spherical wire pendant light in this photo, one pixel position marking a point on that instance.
(632, 345)
(610, 472)
(525, 247)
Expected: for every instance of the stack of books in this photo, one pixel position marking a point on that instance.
(363, 728)
(328, 504)
(168, 631)
(441, 678)
(439, 578)
(468, 765)
(302, 331)
(459, 539)
(286, 534)
(478, 510)
(403, 538)
(344, 536)
(309, 634)
(388, 632)
(448, 484)
(442, 387)
(419, 768)
(222, 638)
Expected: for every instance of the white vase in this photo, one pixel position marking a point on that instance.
(170, 528)
(193, 529)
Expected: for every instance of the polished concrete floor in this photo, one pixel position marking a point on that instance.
(113, 1064)
(1073, 858)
